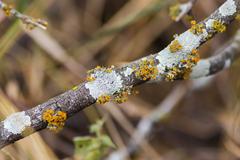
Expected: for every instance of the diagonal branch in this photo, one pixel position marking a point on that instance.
(29, 21)
(226, 55)
(173, 63)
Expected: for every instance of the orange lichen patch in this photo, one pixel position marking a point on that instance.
(196, 28)
(146, 70)
(172, 74)
(7, 10)
(184, 68)
(195, 59)
(175, 46)
(219, 26)
(194, 52)
(55, 119)
(103, 99)
(174, 11)
(121, 97)
(90, 78)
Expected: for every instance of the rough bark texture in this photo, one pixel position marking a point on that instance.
(22, 124)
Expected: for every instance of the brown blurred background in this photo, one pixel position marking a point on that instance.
(37, 65)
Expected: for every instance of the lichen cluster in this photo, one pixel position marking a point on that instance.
(55, 119)
(103, 99)
(183, 69)
(122, 96)
(90, 78)
(90, 74)
(119, 97)
(7, 9)
(104, 93)
(174, 11)
(175, 46)
(196, 28)
(147, 70)
(218, 26)
(29, 22)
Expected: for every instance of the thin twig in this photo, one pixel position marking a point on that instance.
(29, 21)
(224, 56)
(185, 8)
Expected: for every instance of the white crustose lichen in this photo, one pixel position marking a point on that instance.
(188, 41)
(17, 122)
(104, 84)
(229, 8)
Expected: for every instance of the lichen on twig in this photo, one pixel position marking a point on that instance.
(30, 22)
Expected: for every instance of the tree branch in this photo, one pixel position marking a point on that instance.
(29, 21)
(225, 55)
(172, 63)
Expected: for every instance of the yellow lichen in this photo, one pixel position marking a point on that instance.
(103, 99)
(90, 78)
(90, 73)
(108, 70)
(170, 76)
(195, 59)
(194, 51)
(94, 70)
(196, 28)
(147, 70)
(174, 11)
(175, 46)
(55, 119)
(121, 98)
(7, 10)
(75, 88)
(184, 68)
(219, 26)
